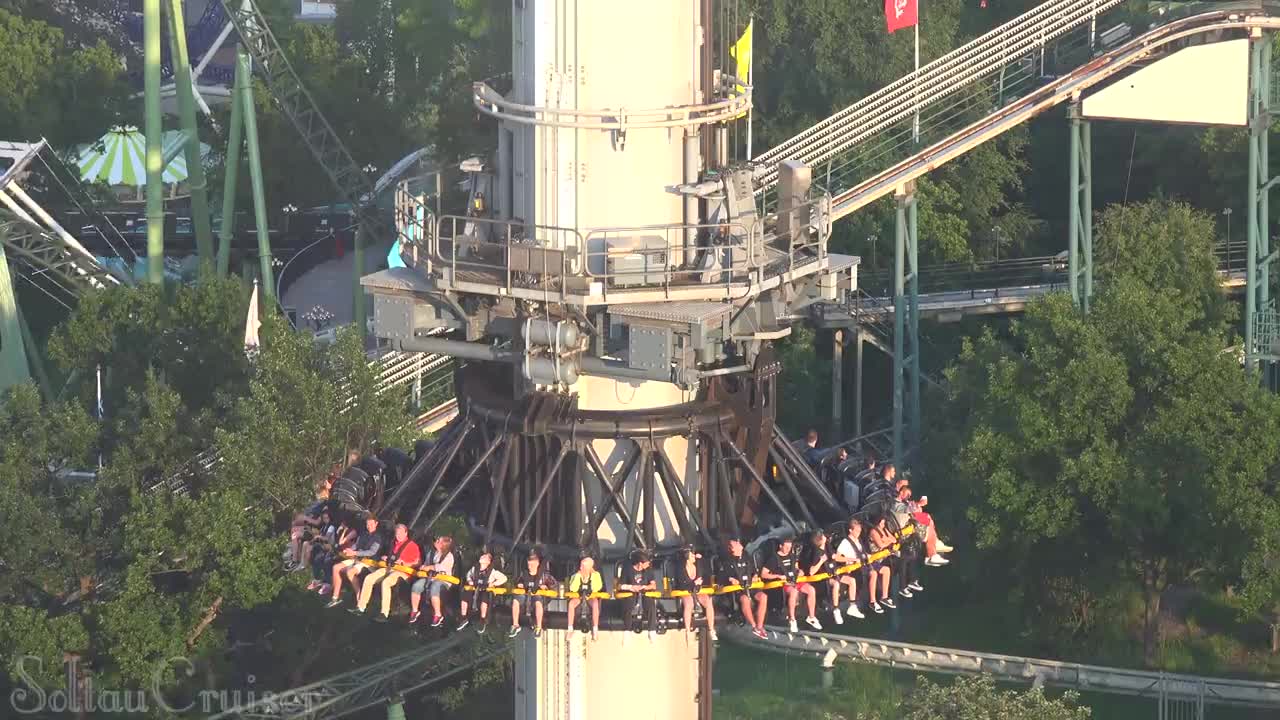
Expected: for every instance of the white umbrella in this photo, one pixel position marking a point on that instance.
(119, 158)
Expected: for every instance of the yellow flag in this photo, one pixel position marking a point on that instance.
(741, 53)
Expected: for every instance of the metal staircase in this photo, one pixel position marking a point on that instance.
(966, 83)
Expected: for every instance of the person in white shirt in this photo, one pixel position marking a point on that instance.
(482, 578)
(850, 551)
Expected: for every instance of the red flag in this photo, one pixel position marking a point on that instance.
(899, 14)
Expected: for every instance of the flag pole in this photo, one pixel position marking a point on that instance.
(915, 79)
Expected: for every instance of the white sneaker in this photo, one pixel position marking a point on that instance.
(839, 618)
(944, 548)
(936, 561)
(793, 627)
(905, 592)
(855, 611)
(916, 587)
(813, 622)
(876, 606)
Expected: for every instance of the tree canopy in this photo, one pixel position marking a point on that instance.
(126, 576)
(1126, 443)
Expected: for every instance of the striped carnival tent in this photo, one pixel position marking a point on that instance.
(119, 158)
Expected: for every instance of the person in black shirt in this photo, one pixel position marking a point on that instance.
(482, 578)
(638, 578)
(782, 566)
(534, 578)
(740, 569)
(689, 578)
(814, 559)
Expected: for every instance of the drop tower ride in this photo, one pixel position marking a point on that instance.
(610, 292)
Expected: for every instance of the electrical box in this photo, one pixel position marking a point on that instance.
(637, 260)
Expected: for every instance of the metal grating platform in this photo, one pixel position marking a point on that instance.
(680, 312)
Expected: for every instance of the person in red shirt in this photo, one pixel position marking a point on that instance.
(405, 556)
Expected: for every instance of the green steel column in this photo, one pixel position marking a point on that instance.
(1086, 210)
(395, 708)
(255, 176)
(1255, 268)
(899, 321)
(913, 326)
(187, 114)
(154, 128)
(1265, 183)
(235, 145)
(33, 356)
(13, 354)
(1080, 213)
(359, 313)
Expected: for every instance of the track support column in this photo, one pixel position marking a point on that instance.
(13, 354)
(906, 326)
(153, 129)
(837, 383)
(1080, 216)
(235, 145)
(1262, 323)
(244, 68)
(182, 86)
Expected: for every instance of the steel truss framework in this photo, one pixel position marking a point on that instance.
(906, 327)
(521, 468)
(382, 682)
(1262, 341)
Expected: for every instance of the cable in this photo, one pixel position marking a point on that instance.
(1129, 174)
(85, 212)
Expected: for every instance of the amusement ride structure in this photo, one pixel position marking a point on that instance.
(612, 287)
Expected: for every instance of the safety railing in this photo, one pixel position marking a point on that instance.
(988, 71)
(654, 256)
(514, 254)
(490, 102)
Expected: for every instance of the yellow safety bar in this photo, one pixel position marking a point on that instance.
(709, 590)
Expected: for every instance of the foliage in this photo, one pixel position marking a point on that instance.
(49, 87)
(127, 577)
(1124, 442)
(804, 386)
(977, 698)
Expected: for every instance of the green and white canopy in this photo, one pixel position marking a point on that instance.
(119, 158)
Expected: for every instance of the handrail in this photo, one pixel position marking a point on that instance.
(1060, 90)
(490, 102)
(1095, 678)
(933, 82)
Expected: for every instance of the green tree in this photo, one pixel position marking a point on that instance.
(978, 698)
(1124, 443)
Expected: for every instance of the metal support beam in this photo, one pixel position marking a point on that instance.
(235, 146)
(187, 115)
(1262, 323)
(154, 129)
(250, 116)
(1080, 215)
(359, 309)
(13, 354)
(837, 383)
(906, 324)
(33, 356)
(857, 384)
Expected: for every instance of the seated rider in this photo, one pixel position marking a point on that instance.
(850, 551)
(582, 585)
(402, 561)
(935, 548)
(305, 525)
(482, 578)
(740, 569)
(324, 552)
(815, 559)
(440, 563)
(349, 566)
(638, 579)
(689, 578)
(534, 578)
(782, 565)
(881, 540)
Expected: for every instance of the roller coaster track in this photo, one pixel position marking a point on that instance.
(1093, 678)
(993, 57)
(374, 684)
(70, 267)
(353, 185)
(1094, 72)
